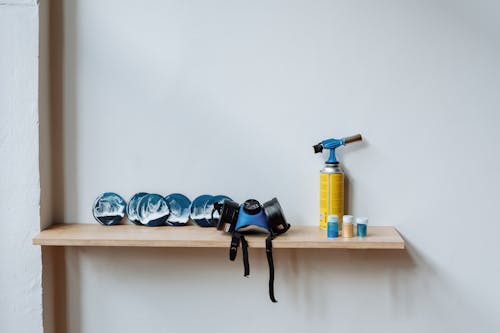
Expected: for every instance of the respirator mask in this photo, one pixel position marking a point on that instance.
(252, 217)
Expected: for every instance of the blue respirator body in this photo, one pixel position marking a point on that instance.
(257, 221)
(252, 217)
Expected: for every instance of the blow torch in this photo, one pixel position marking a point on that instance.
(331, 181)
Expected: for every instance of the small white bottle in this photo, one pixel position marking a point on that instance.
(347, 229)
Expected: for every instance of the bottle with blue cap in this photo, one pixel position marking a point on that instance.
(333, 226)
(362, 222)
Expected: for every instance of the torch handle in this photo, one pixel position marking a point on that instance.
(353, 138)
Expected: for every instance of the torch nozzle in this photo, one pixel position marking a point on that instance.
(353, 138)
(318, 148)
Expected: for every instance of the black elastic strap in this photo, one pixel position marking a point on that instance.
(233, 249)
(244, 247)
(269, 253)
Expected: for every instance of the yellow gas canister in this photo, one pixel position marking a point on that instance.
(331, 181)
(331, 194)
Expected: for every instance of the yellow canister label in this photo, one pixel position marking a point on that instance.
(331, 197)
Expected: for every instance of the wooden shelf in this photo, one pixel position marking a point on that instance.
(299, 236)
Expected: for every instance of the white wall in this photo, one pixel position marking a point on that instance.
(20, 261)
(228, 97)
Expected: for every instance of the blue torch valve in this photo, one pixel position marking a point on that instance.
(333, 144)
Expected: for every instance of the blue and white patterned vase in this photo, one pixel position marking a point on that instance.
(179, 206)
(133, 207)
(198, 212)
(153, 210)
(109, 208)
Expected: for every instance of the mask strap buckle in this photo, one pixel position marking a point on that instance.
(235, 243)
(233, 251)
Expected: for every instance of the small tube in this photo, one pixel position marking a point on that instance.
(332, 230)
(347, 229)
(362, 222)
(353, 138)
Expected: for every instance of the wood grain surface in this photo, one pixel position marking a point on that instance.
(299, 236)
